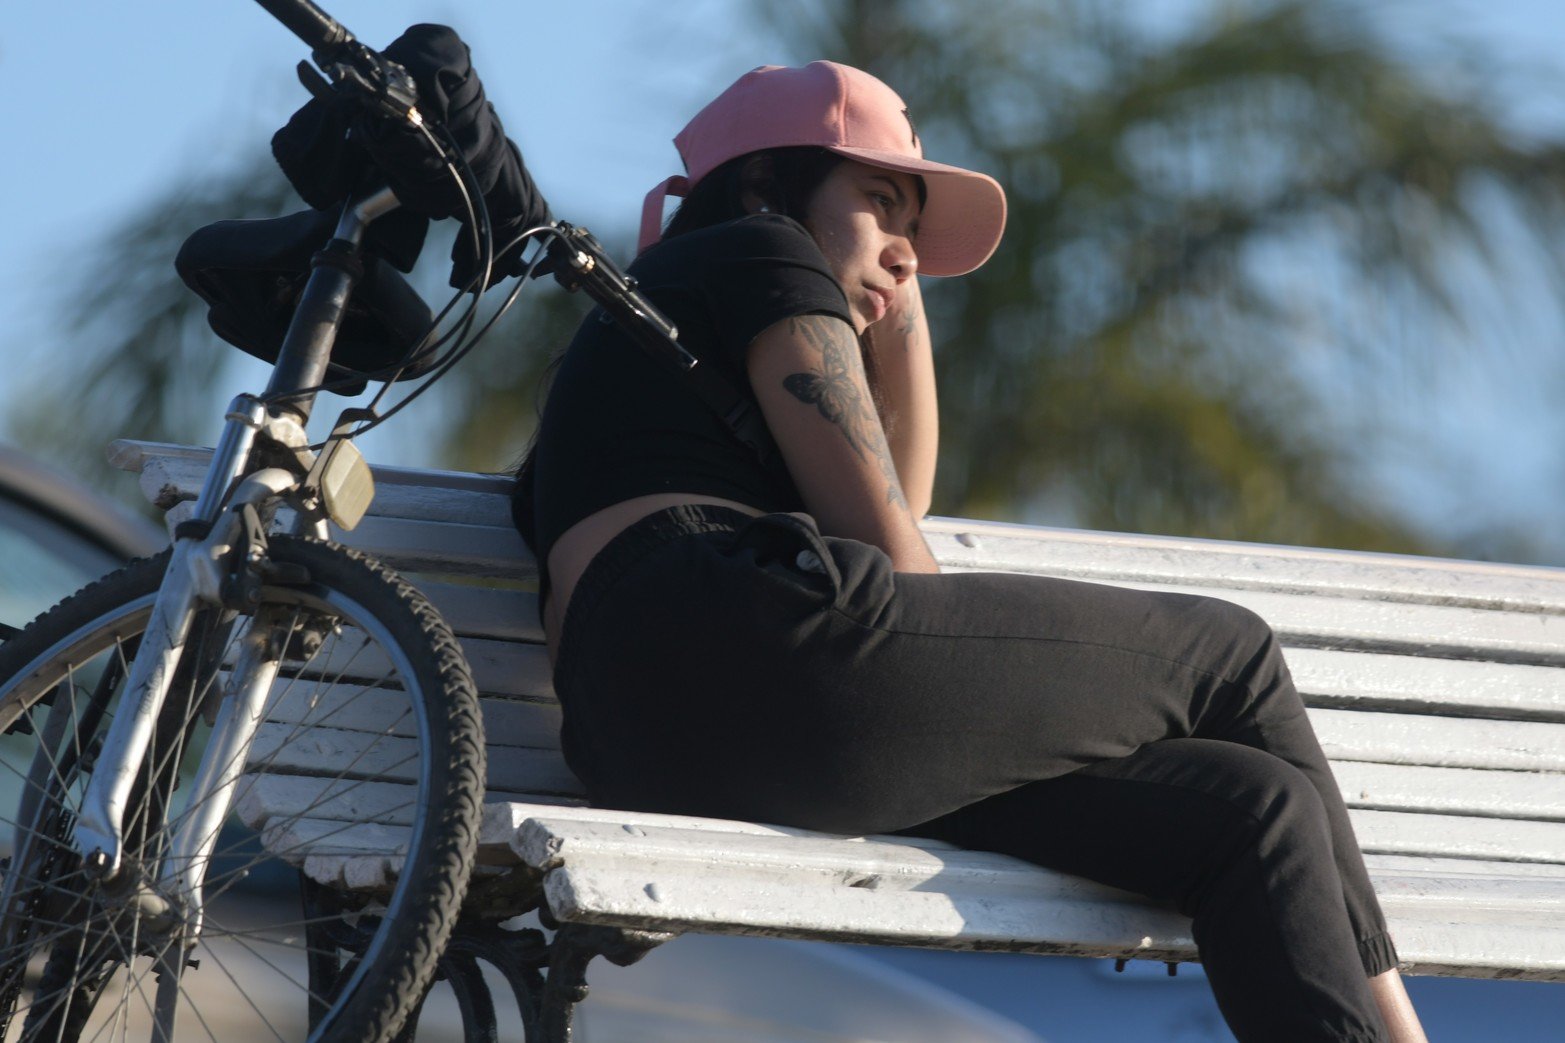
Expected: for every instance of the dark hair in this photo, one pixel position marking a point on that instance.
(786, 183)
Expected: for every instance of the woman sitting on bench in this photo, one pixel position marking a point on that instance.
(746, 622)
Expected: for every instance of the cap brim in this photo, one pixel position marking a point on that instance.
(963, 216)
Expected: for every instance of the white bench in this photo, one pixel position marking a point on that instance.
(1437, 689)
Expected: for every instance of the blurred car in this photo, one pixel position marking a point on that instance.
(57, 535)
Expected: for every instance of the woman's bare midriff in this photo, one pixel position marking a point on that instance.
(576, 548)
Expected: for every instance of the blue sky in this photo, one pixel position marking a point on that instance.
(121, 103)
(109, 103)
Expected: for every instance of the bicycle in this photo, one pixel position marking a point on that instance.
(145, 706)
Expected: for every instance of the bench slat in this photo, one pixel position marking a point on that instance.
(473, 611)
(521, 669)
(502, 668)
(1349, 575)
(412, 494)
(299, 840)
(264, 798)
(887, 865)
(1451, 791)
(1373, 681)
(506, 722)
(602, 873)
(1327, 678)
(1435, 808)
(1445, 631)
(1458, 836)
(1481, 921)
(1299, 619)
(283, 749)
(462, 549)
(173, 473)
(548, 838)
(1399, 738)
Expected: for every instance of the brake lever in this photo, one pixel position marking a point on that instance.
(578, 261)
(377, 80)
(373, 79)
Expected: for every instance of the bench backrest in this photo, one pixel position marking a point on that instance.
(1437, 687)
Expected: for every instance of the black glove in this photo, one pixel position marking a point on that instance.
(325, 161)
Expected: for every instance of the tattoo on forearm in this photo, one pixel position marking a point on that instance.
(909, 328)
(837, 390)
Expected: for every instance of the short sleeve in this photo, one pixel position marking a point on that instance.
(737, 279)
(771, 269)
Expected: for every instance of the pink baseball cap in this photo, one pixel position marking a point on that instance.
(853, 114)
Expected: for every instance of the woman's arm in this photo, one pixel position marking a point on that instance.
(900, 364)
(808, 376)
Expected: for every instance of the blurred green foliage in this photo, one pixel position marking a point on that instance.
(1218, 240)
(1140, 353)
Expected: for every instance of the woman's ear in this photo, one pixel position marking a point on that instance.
(758, 185)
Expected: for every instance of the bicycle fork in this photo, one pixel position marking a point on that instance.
(197, 569)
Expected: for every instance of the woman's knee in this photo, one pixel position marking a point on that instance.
(1254, 784)
(1253, 658)
(1278, 828)
(1289, 808)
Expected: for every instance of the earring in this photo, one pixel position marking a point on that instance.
(764, 209)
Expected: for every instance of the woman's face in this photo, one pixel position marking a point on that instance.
(865, 219)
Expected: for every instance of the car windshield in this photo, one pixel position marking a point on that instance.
(41, 561)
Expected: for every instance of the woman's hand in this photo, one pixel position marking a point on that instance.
(899, 361)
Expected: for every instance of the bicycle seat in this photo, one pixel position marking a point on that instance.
(251, 274)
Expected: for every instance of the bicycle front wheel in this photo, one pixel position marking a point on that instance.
(370, 754)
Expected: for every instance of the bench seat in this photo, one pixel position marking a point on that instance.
(1437, 689)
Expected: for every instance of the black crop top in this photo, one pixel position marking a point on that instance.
(620, 423)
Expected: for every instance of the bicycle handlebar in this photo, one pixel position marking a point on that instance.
(576, 259)
(323, 33)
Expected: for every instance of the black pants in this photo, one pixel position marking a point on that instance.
(719, 665)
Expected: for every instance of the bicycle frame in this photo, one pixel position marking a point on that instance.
(209, 548)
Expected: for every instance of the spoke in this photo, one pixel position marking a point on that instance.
(260, 933)
(218, 960)
(333, 687)
(37, 944)
(196, 800)
(43, 745)
(305, 845)
(285, 975)
(69, 991)
(195, 1009)
(106, 936)
(190, 1005)
(133, 980)
(135, 937)
(163, 768)
(335, 636)
(49, 838)
(333, 789)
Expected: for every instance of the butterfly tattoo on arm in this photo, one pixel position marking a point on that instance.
(839, 392)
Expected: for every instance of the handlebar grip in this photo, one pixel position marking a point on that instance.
(323, 33)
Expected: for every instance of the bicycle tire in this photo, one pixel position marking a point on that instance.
(92, 942)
